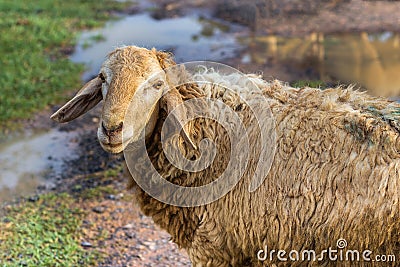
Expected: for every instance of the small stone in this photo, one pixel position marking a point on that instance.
(41, 187)
(120, 210)
(130, 234)
(128, 226)
(112, 197)
(98, 209)
(33, 198)
(86, 244)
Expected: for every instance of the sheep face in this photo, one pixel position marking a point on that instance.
(133, 82)
(130, 103)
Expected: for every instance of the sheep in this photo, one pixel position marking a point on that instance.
(333, 182)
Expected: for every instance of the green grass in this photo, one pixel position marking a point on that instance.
(97, 192)
(44, 233)
(35, 72)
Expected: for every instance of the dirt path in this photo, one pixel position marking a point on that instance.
(115, 227)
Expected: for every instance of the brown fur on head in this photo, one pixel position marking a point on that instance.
(131, 82)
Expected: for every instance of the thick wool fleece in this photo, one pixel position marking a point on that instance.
(335, 174)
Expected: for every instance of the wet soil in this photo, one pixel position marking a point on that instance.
(133, 239)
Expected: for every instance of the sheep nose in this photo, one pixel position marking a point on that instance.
(111, 131)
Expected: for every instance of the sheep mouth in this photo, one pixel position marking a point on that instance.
(113, 148)
(113, 145)
(116, 147)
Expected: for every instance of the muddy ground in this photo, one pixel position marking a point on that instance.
(133, 238)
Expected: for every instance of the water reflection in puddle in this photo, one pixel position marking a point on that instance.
(28, 159)
(370, 60)
(190, 38)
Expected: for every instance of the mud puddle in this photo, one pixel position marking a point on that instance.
(372, 61)
(29, 160)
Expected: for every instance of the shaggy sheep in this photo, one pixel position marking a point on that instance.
(333, 185)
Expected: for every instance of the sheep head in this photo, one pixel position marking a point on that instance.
(132, 81)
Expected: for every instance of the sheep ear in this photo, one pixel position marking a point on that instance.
(83, 101)
(173, 99)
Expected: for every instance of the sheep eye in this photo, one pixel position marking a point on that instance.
(101, 76)
(158, 84)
